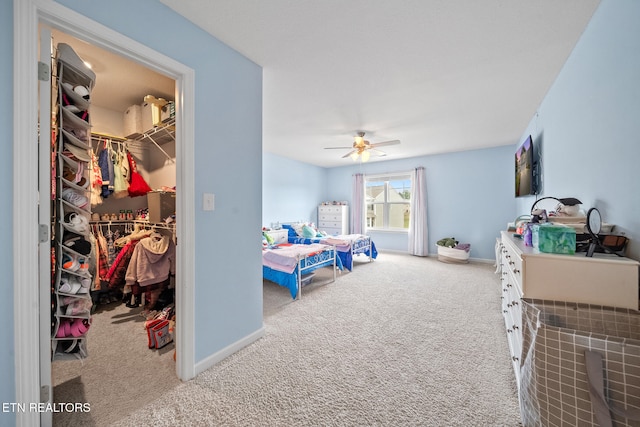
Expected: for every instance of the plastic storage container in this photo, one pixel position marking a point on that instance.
(554, 238)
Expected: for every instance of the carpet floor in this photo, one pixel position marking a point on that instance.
(402, 341)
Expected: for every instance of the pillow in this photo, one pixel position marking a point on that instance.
(268, 238)
(290, 230)
(308, 231)
(297, 227)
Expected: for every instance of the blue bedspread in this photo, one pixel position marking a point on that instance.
(290, 280)
(345, 257)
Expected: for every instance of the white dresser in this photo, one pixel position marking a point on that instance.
(333, 219)
(527, 273)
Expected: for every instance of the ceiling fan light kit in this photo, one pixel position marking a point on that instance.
(362, 148)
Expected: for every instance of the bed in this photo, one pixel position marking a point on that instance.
(286, 264)
(347, 245)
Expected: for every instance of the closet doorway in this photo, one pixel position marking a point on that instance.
(31, 340)
(125, 194)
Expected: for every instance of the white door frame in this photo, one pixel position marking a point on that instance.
(28, 14)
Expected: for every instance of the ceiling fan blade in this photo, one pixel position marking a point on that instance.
(378, 152)
(383, 143)
(338, 148)
(349, 153)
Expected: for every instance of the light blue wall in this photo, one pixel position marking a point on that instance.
(7, 379)
(228, 132)
(469, 196)
(291, 190)
(587, 124)
(228, 126)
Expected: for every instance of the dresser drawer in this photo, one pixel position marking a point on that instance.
(330, 209)
(329, 224)
(329, 217)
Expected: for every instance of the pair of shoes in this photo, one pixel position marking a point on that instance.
(70, 346)
(79, 307)
(72, 262)
(74, 177)
(70, 195)
(73, 285)
(77, 223)
(76, 243)
(72, 328)
(137, 299)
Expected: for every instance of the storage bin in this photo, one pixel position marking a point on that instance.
(161, 205)
(554, 384)
(452, 255)
(554, 238)
(133, 121)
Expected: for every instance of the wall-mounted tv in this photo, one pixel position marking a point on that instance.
(526, 169)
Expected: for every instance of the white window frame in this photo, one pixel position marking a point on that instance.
(397, 176)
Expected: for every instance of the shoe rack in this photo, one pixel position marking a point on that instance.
(72, 250)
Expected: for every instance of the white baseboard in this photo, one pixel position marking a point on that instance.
(215, 358)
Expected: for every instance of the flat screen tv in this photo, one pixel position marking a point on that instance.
(526, 169)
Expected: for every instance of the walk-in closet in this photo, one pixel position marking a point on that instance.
(113, 229)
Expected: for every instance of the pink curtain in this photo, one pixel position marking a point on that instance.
(358, 207)
(418, 233)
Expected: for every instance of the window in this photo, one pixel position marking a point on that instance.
(388, 201)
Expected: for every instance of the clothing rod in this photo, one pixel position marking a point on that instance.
(165, 226)
(96, 135)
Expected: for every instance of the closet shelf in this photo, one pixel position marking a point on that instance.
(160, 135)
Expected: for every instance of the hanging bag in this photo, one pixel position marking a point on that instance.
(137, 185)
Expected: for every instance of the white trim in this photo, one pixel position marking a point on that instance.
(25, 210)
(215, 358)
(27, 15)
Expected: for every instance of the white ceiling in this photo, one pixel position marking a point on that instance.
(439, 75)
(120, 83)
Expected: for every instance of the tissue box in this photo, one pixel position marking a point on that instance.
(554, 239)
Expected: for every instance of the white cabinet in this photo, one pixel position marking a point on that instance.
(333, 219)
(606, 280)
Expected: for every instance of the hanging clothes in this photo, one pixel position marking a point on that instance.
(153, 261)
(120, 173)
(105, 162)
(137, 185)
(95, 179)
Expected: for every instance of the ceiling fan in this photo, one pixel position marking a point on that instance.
(363, 148)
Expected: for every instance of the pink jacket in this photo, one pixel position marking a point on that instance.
(152, 261)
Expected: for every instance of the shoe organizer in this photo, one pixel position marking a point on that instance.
(71, 312)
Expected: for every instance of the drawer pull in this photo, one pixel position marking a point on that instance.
(509, 331)
(514, 302)
(514, 358)
(515, 327)
(516, 271)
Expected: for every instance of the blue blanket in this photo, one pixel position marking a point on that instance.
(290, 280)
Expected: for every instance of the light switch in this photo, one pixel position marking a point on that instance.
(208, 202)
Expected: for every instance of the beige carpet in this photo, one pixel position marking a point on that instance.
(403, 341)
